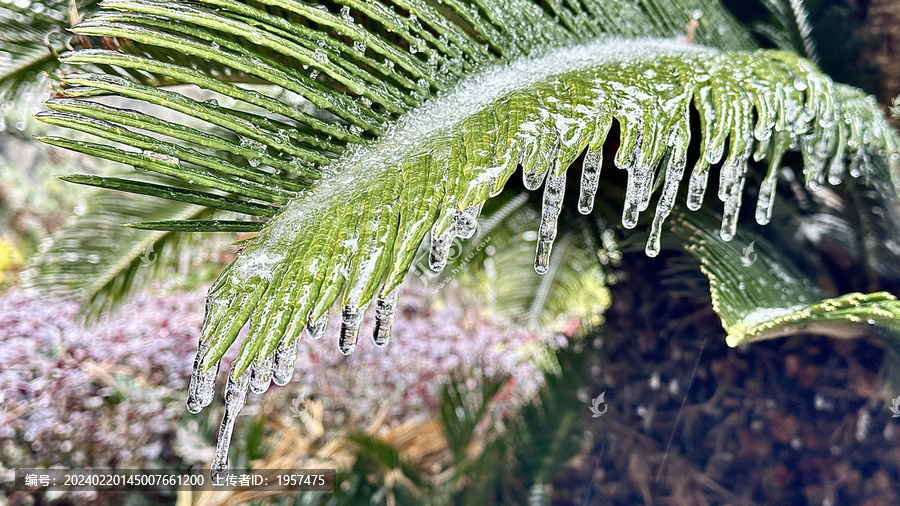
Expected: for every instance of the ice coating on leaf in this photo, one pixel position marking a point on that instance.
(434, 169)
(440, 249)
(285, 358)
(235, 397)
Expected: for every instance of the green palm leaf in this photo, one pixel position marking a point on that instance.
(760, 295)
(549, 119)
(32, 34)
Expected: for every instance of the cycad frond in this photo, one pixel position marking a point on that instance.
(435, 171)
(759, 295)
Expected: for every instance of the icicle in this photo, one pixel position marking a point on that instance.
(733, 205)
(385, 311)
(534, 175)
(533, 180)
(836, 170)
(646, 189)
(554, 191)
(440, 248)
(674, 173)
(261, 374)
(766, 200)
(235, 396)
(317, 329)
(351, 317)
(590, 179)
(202, 388)
(285, 358)
(633, 194)
(467, 221)
(697, 188)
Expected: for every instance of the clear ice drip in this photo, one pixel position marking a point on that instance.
(590, 179)
(235, 397)
(697, 188)
(351, 317)
(533, 180)
(836, 170)
(674, 173)
(317, 330)
(634, 191)
(385, 311)
(466, 222)
(554, 191)
(766, 200)
(733, 204)
(202, 388)
(285, 358)
(261, 374)
(440, 248)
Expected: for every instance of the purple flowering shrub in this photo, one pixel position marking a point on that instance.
(112, 395)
